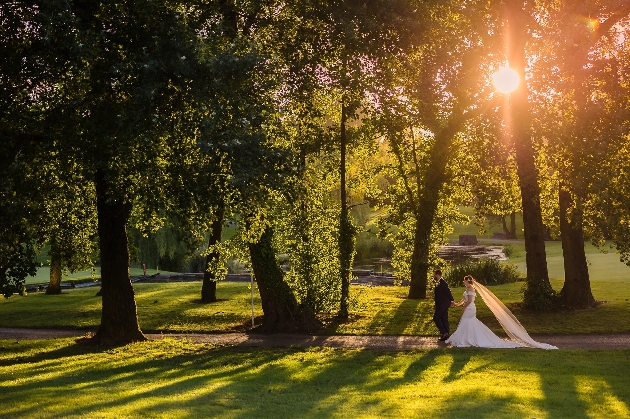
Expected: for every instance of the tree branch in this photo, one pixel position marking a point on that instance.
(401, 168)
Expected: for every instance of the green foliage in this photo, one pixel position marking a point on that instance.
(307, 231)
(402, 236)
(485, 271)
(548, 179)
(66, 211)
(18, 241)
(171, 247)
(494, 184)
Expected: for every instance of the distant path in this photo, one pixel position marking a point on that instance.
(617, 341)
(489, 240)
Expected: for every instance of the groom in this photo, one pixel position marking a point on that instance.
(443, 301)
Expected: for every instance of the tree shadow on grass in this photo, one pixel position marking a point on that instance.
(397, 321)
(218, 379)
(43, 353)
(203, 381)
(584, 384)
(161, 376)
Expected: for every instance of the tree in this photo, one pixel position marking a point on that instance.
(435, 93)
(341, 49)
(119, 108)
(65, 214)
(494, 183)
(26, 64)
(538, 292)
(580, 92)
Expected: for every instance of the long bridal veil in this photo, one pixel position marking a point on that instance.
(510, 324)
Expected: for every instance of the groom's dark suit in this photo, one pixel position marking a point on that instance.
(443, 299)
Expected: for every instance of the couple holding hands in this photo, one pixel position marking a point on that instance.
(471, 331)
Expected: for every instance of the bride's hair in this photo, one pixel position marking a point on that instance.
(469, 279)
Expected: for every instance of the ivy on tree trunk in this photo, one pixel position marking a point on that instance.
(280, 307)
(427, 206)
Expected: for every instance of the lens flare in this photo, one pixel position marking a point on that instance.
(505, 79)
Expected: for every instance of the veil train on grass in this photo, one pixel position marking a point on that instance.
(510, 324)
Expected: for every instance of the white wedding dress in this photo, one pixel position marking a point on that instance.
(471, 332)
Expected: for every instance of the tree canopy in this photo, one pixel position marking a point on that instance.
(172, 118)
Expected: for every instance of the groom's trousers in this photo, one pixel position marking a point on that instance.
(441, 320)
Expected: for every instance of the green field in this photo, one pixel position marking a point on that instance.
(174, 307)
(175, 379)
(604, 263)
(602, 266)
(43, 274)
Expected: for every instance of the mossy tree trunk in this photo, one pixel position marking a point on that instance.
(421, 249)
(427, 206)
(281, 312)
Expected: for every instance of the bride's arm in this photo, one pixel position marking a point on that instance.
(466, 300)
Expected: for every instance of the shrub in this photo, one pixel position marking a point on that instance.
(508, 251)
(538, 295)
(486, 271)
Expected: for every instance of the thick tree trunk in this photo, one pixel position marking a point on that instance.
(119, 319)
(280, 308)
(538, 292)
(576, 292)
(209, 286)
(420, 256)
(54, 285)
(346, 241)
(426, 210)
(513, 225)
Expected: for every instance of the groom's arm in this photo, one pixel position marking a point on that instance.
(450, 294)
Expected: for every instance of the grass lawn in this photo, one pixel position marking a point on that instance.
(43, 274)
(57, 378)
(602, 266)
(173, 307)
(161, 307)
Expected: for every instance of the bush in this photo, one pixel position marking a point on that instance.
(485, 271)
(508, 251)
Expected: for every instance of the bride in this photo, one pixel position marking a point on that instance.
(471, 332)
